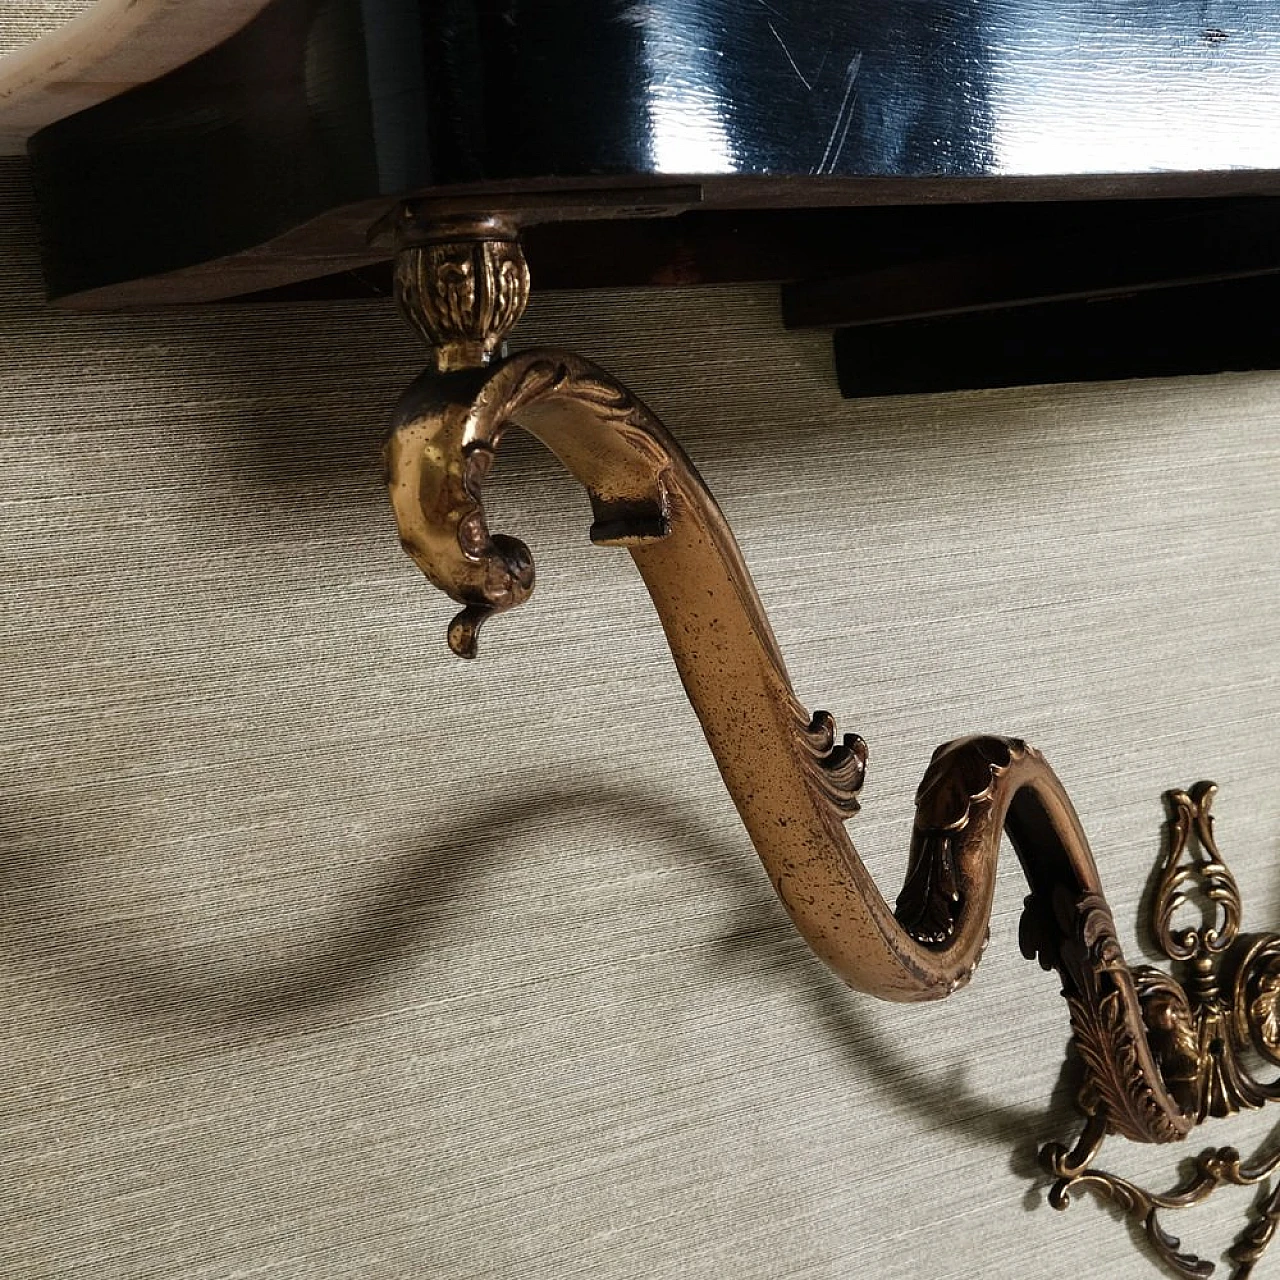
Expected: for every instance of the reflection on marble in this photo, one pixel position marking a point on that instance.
(1137, 88)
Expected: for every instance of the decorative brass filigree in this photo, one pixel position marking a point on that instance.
(1199, 1036)
(1158, 1055)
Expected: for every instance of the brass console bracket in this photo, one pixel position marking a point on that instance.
(1158, 1056)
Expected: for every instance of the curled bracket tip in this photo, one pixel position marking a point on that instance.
(464, 630)
(508, 578)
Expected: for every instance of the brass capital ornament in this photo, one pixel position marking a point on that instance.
(462, 284)
(1159, 1053)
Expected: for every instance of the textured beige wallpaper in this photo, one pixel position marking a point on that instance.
(25, 20)
(323, 954)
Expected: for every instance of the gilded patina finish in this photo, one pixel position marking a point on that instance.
(1159, 1052)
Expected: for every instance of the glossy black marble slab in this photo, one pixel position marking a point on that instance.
(897, 88)
(300, 129)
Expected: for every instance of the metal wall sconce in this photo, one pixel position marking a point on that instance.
(1159, 1052)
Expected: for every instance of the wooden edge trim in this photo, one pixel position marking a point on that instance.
(111, 48)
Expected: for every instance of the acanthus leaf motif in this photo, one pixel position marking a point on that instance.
(956, 788)
(1195, 1032)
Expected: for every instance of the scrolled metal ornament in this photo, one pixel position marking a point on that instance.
(1150, 1072)
(1204, 869)
(1200, 1021)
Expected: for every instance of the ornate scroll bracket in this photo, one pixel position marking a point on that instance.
(1159, 1054)
(1219, 1003)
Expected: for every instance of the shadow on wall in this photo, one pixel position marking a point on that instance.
(411, 911)
(204, 991)
(285, 413)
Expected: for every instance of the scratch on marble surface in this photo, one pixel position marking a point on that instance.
(790, 59)
(843, 120)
